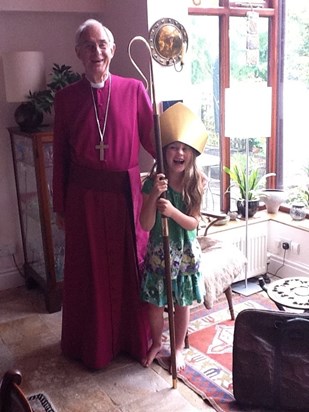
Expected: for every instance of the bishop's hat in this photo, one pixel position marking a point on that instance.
(179, 124)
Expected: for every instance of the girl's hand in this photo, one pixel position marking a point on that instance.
(160, 185)
(149, 207)
(165, 207)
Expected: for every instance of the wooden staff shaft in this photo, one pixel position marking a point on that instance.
(167, 262)
(169, 293)
(165, 234)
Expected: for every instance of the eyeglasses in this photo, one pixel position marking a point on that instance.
(92, 46)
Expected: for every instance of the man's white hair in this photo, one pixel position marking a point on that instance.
(92, 22)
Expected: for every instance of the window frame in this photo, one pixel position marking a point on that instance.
(274, 155)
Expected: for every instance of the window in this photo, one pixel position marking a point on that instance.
(279, 56)
(205, 95)
(248, 53)
(231, 44)
(295, 99)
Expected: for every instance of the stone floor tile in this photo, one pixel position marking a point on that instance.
(30, 342)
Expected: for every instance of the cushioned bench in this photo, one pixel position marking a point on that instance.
(221, 264)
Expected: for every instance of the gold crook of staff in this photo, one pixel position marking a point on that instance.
(169, 44)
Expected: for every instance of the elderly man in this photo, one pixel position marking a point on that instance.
(100, 122)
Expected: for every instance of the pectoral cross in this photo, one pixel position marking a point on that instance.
(101, 146)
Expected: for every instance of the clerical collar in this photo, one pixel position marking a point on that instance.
(99, 85)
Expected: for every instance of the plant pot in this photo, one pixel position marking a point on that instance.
(272, 199)
(28, 117)
(253, 206)
(298, 211)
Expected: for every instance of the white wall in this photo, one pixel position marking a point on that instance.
(276, 229)
(92, 6)
(291, 262)
(52, 33)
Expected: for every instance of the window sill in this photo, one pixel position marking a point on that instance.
(259, 217)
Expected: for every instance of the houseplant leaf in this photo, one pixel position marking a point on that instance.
(238, 177)
(61, 76)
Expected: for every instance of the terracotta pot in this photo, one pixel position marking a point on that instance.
(272, 199)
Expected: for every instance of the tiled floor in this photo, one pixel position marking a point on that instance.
(29, 341)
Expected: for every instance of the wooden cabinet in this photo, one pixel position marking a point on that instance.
(43, 242)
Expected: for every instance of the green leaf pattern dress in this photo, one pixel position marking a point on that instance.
(185, 257)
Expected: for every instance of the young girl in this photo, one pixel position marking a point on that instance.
(183, 138)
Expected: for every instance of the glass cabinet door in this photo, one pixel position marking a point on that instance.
(43, 242)
(57, 234)
(29, 204)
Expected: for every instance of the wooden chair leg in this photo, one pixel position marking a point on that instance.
(187, 344)
(228, 294)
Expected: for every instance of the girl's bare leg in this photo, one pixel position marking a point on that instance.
(156, 320)
(182, 317)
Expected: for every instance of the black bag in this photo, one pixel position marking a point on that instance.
(271, 359)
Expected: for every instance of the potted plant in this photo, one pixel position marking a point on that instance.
(237, 174)
(61, 76)
(300, 193)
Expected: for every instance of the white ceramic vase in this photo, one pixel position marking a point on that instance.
(272, 199)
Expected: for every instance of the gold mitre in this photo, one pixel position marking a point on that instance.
(179, 123)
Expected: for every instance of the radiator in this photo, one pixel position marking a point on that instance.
(256, 253)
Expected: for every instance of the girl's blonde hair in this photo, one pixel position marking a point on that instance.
(193, 184)
(194, 181)
(193, 188)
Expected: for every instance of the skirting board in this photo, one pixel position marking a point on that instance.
(275, 267)
(287, 269)
(10, 279)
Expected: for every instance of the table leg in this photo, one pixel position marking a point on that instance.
(262, 285)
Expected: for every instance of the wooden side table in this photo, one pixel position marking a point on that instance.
(290, 292)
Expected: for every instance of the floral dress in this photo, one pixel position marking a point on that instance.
(185, 257)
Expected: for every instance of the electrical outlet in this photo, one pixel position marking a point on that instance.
(295, 247)
(286, 244)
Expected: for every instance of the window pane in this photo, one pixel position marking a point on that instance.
(204, 96)
(249, 3)
(248, 57)
(296, 101)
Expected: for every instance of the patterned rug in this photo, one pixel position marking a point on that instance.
(209, 358)
(41, 403)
